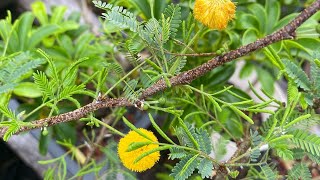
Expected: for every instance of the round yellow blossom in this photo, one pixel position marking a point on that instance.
(128, 158)
(214, 13)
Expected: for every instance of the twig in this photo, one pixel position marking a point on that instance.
(287, 32)
(74, 115)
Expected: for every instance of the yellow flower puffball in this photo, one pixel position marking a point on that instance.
(128, 158)
(214, 13)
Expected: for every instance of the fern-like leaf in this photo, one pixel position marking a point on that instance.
(129, 90)
(102, 5)
(7, 87)
(204, 141)
(284, 152)
(16, 67)
(52, 69)
(46, 88)
(146, 79)
(185, 167)
(176, 153)
(7, 112)
(314, 158)
(183, 137)
(298, 153)
(165, 29)
(296, 73)
(306, 141)
(122, 18)
(153, 32)
(71, 73)
(254, 155)
(292, 91)
(174, 13)
(132, 55)
(12, 128)
(71, 90)
(205, 168)
(255, 138)
(268, 172)
(315, 75)
(299, 171)
(180, 65)
(266, 125)
(113, 67)
(24, 69)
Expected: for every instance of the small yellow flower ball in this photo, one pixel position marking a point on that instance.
(128, 158)
(214, 13)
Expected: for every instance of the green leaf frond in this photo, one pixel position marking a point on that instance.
(283, 151)
(256, 140)
(118, 15)
(306, 141)
(185, 167)
(187, 136)
(267, 125)
(114, 67)
(8, 113)
(7, 87)
(12, 127)
(205, 168)
(70, 74)
(154, 33)
(254, 155)
(314, 158)
(255, 137)
(71, 90)
(292, 91)
(177, 153)
(147, 80)
(204, 140)
(315, 76)
(102, 5)
(179, 66)
(52, 69)
(16, 67)
(299, 171)
(269, 173)
(298, 75)
(305, 120)
(47, 88)
(13, 124)
(129, 90)
(132, 56)
(173, 12)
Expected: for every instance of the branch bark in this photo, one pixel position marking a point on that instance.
(287, 32)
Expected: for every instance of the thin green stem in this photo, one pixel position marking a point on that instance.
(123, 78)
(38, 108)
(245, 164)
(289, 109)
(8, 40)
(224, 128)
(246, 153)
(192, 40)
(109, 127)
(206, 94)
(193, 150)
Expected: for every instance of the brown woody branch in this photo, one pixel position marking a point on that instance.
(287, 32)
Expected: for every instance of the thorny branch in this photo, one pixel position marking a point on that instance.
(287, 32)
